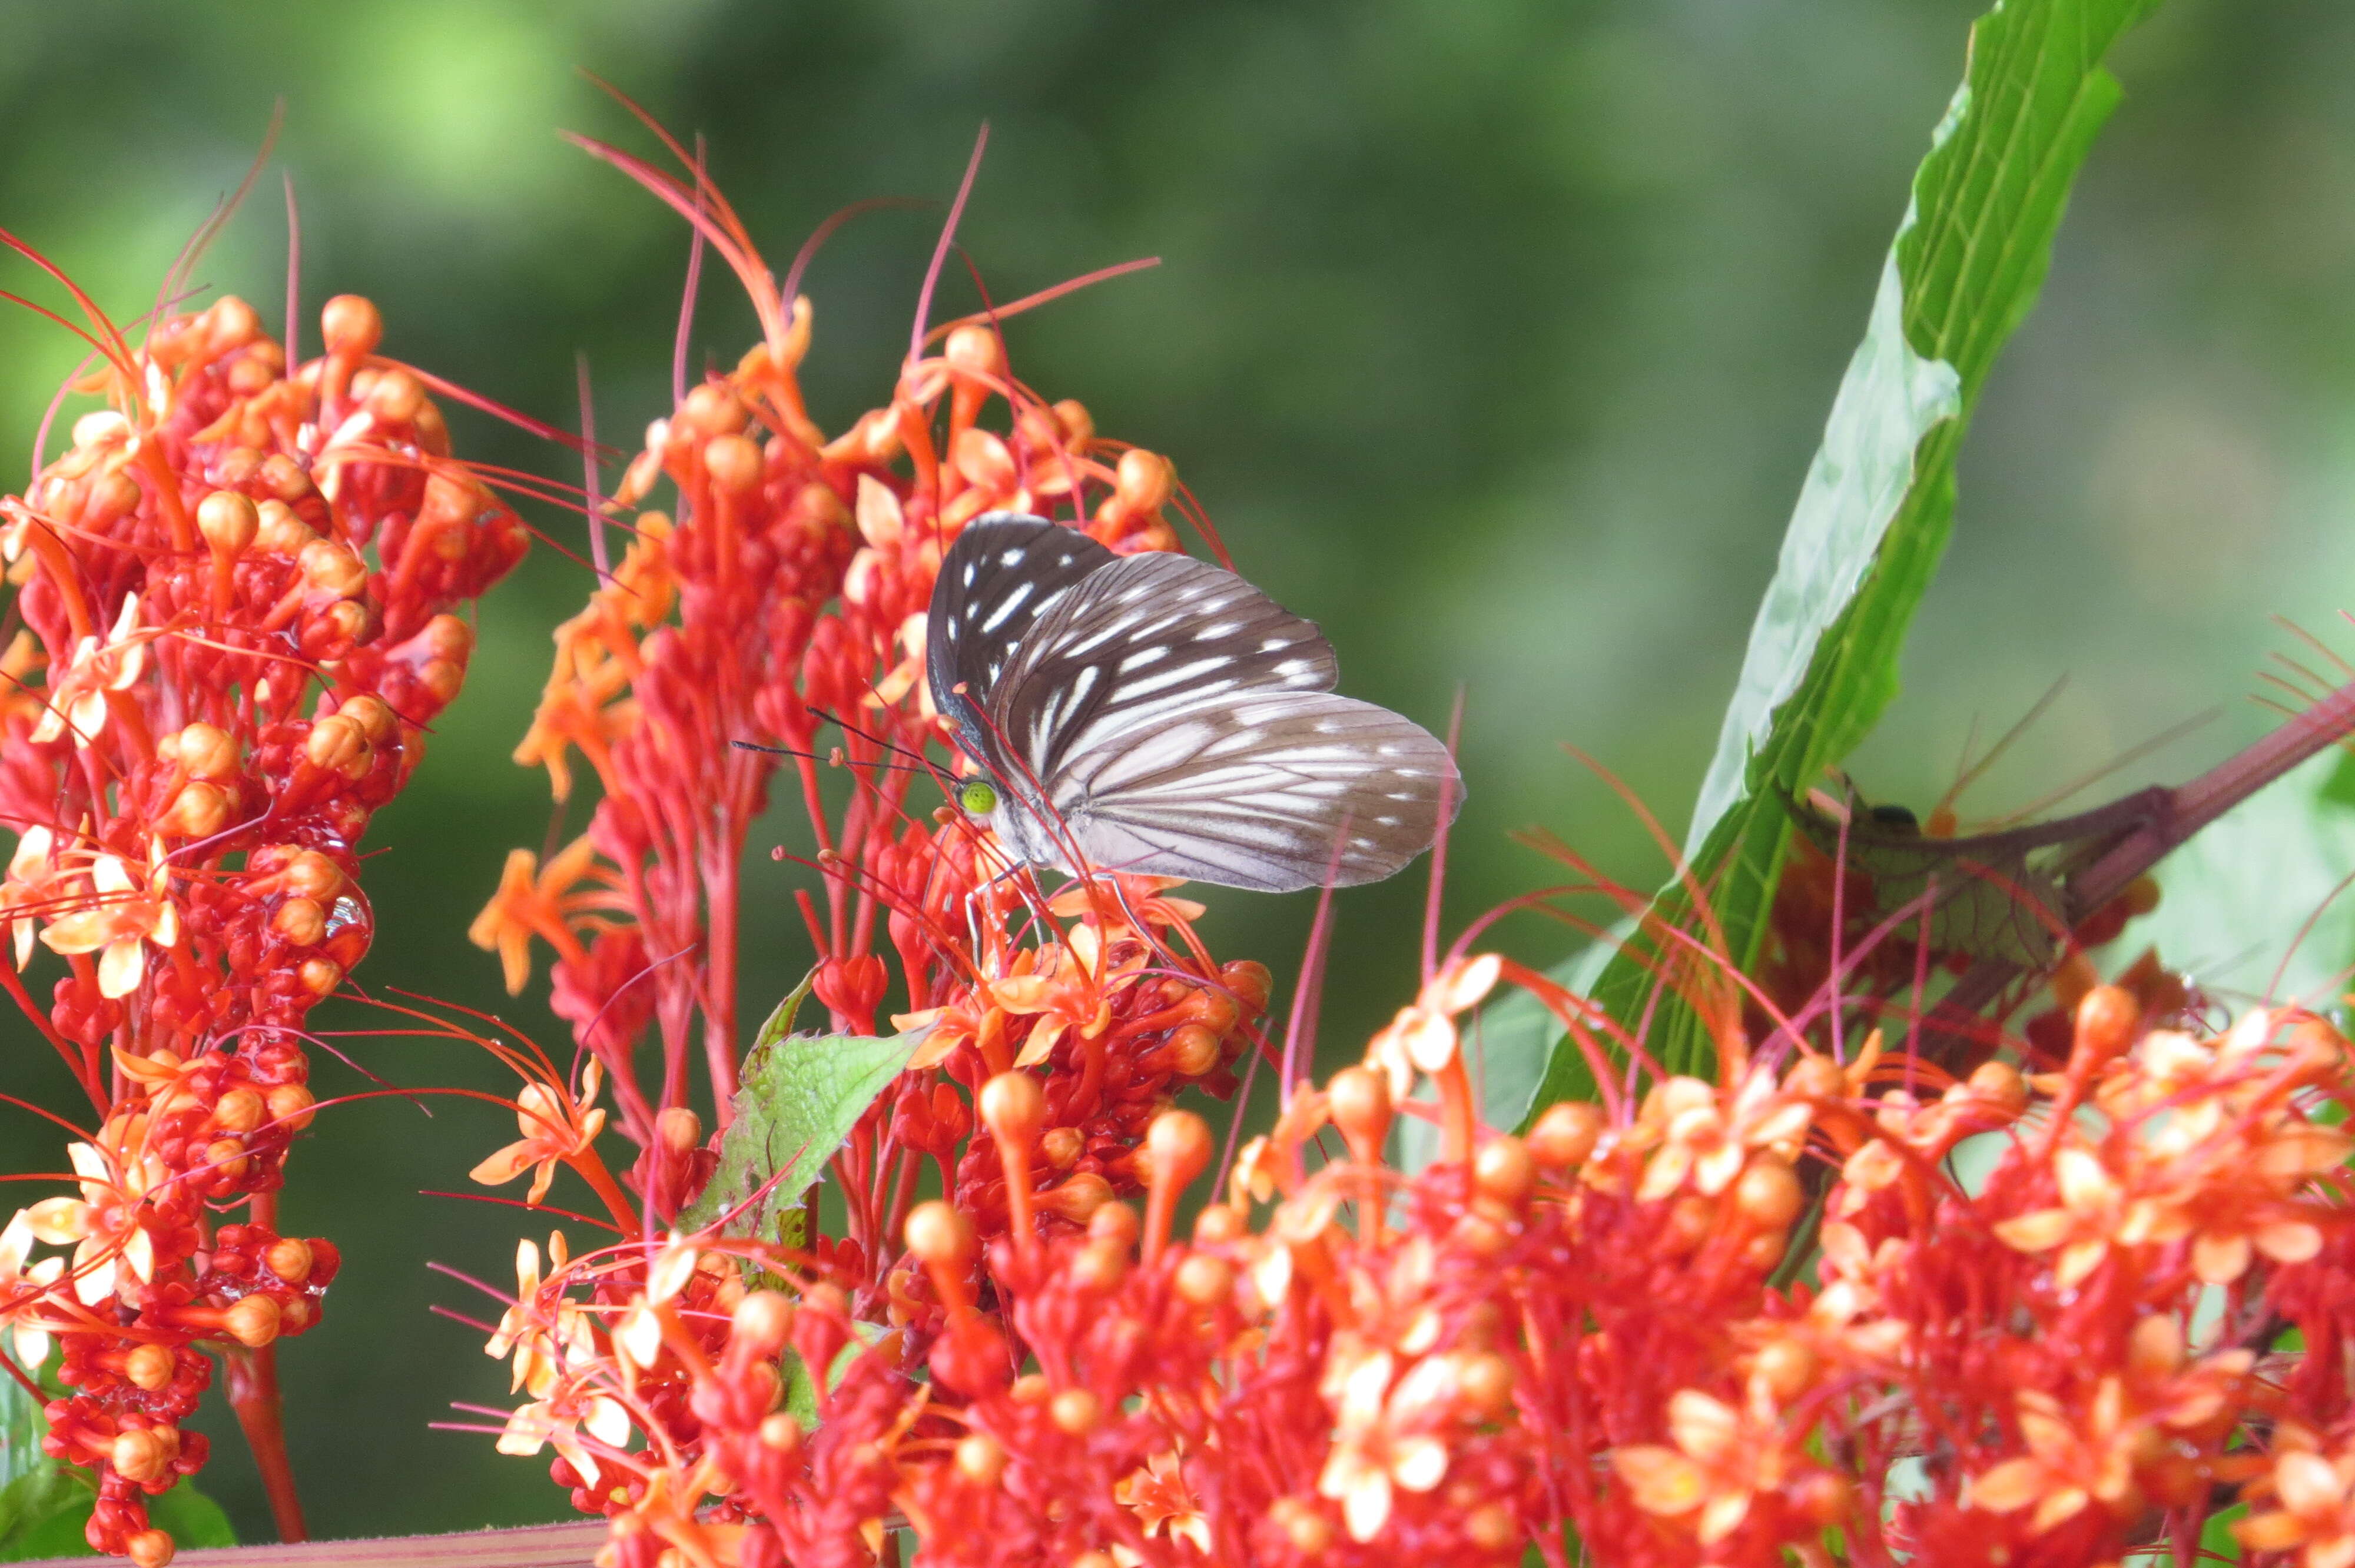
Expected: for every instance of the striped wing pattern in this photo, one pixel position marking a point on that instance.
(1157, 714)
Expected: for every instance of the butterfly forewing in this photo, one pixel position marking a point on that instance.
(1155, 714)
(1001, 572)
(1140, 641)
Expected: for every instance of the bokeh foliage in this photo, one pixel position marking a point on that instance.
(1497, 338)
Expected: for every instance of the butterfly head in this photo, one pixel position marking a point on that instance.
(978, 798)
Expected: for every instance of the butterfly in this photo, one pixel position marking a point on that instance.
(1156, 715)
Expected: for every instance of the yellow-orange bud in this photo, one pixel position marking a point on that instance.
(1176, 1147)
(203, 751)
(254, 1321)
(1566, 1134)
(281, 531)
(198, 812)
(373, 715)
(228, 522)
(239, 1110)
(334, 742)
(1768, 1192)
(974, 349)
(330, 565)
(1078, 1199)
(762, 1319)
(351, 327)
(290, 1105)
(149, 1366)
(1204, 1280)
(320, 976)
(938, 1235)
(979, 1460)
(734, 464)
(149, 1548)
(1074, 1410)
(1012, 1105)
(1144, 480)
(395, 398)
(289, 1257)
(1192, 1050)
(1505, 1170)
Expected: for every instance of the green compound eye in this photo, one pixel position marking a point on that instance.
(977, 797)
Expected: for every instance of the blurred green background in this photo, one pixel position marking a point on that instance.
(1496, 337)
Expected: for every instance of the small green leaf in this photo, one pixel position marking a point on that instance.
(801, 1096)
(1874, 514)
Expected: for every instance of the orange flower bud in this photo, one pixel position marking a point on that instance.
(394, 398)
(203, 751)
(332, 566)
(443, 679)
(1192, 1051)
(1176, 1147)
(281, 531)
(447, 637)
(781, 1433)
(284, 478)
(939, 1237)
(351, 327)
(198, 812)
(335, 743)
(1767, 1192)
(229, 324)
(290, 1105)
(228, 522)
(1074, 1410)
(974, 349)
(148, 1548)
(1218, 1224)
(734, 464)
(113, 495)
(711, 409)
(1566, 1134)
(1012, 1106)
(254, 1321)
(678, 1130)
(1360, 1102)
(239, 1110)
(289, 1258)
(374, 716)
(225, 1158)
(1077, 1199)
(1143, 481)
(1079, 425)
(1204, 1280)
(1503, 1169)
(1113, 1223)
(320, 976)
(2106, 1021)
(1250, 982)
(1061, 1147)
(762, 1319)
(149, 1367)
(979, 1460)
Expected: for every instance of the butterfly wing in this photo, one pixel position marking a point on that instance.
(1001, 572)
(1181, 724)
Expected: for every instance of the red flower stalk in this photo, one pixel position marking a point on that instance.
(236, 588)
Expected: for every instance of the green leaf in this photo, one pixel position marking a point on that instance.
(2235, 902)
(1874, 514)
(801, 1096)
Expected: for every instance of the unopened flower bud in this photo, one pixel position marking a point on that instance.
(734, 464)
(351, 327)
(373, 715)
(974, 349)
(939, 1237)
(781, 1433)
(1204, 1280)
(1767, 1192)
(678, 1130)
(241, 1109)
(762, 1319)
(334, 742)
(447, 637)
(979, 1459)
(228, 522)
(330, 565)
(225, 1159)
(204, 751)
(320, 976)
(1566, 1134)
(149, 1366)
(1077, 1199)
(1074, 1410)
(1504, 1169)
(1143, 481)
(1114, 1225)
(229, 324)
(1192, 1051)
(1079, 425)
(1061, 1146)
(1176, 1147)
(113, 495)
(254, 1321)
(281, 531)
(198, 812)
(290, 1105)
(395, 396)
(1012, 1107)
(148, 1548)
(2106, 1021)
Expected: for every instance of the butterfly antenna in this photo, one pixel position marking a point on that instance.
(1439, 845)
(2127, 758)
(833, 759)
(941, 251)
(1973, 771)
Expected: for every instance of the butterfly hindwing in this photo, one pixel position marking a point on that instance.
(1002, 571)
(1263, 790)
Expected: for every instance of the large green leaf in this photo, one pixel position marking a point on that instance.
(801, 1096)
(1874, 514)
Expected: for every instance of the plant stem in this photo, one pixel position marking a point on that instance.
(261, 1413)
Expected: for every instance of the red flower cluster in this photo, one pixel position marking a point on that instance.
(234, 589)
